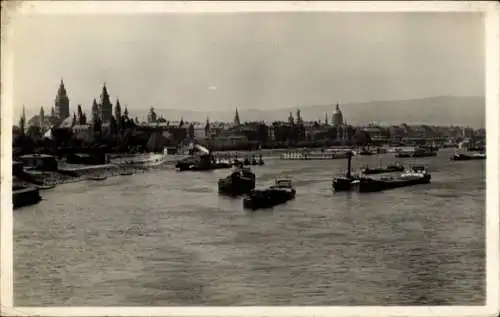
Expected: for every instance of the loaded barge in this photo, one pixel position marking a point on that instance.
(388, 169)
(415, 176)
(281, 192)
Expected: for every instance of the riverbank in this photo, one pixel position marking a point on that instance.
(50, 178)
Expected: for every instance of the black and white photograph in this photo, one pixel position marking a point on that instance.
(247, 157)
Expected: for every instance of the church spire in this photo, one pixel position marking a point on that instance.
(236, 117)
(299, 118)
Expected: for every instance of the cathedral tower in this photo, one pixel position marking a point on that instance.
(61, 103)
(106, 110)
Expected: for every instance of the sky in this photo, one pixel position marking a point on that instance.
(249, 61)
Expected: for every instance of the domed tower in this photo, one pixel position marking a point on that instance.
(61, 103)
(337, 117)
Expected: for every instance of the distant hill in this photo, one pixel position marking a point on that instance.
(443, 110)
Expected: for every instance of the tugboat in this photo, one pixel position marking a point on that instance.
(240, 182)
(344, 183)
(388, 169)
(203, 162)
(281, 192)
(414, 176)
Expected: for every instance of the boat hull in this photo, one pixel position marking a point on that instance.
(369, 171)
(25, 197)
(342, 184)
(366, 185)
(236, 187)
(266, 199)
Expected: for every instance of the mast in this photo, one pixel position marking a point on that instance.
(349, 158)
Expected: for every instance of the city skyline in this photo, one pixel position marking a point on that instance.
(254, 61)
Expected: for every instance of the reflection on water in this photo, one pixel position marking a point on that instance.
(167, 238)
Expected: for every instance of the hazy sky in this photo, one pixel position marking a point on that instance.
(254, 60)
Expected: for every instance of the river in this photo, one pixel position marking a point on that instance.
(167, 238)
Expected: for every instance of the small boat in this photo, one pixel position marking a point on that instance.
(25, 196)
(96, 177)
(414, 176)
(388, 169)
(126, 173)
(240, 182)
(281, 192)
(468, 157)
(404, 154)
(365, 151)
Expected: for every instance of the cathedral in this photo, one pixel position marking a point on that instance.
(339, 124)
(337, 117)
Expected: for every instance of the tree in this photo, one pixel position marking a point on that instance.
(84, 118)
(74, 121)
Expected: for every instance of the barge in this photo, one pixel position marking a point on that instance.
(418, 152)
(415, 176)
(388, 169)
(281, 192)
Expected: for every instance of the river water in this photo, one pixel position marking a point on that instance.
(166, 238)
